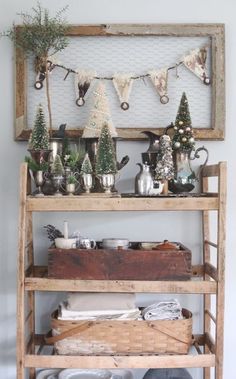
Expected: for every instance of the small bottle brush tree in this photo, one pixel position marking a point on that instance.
(57, 168)
(42, 36)
(86, 167)
(183, 138)
(39, 138)
(165, 166)
(106, 157)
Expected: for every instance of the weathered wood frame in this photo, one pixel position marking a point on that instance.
(216, 130)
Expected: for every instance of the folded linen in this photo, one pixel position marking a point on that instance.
(164, 310)
(100, 301)
(66, 314)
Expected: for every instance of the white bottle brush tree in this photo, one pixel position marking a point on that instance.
(165, 166)
(99, 114)
(106, 156)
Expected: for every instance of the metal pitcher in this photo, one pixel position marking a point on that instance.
(144, 180)
(185, 177)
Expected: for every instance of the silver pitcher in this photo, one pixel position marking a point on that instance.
(144, 180)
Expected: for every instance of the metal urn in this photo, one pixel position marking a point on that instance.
(87, 182)
(107, 182)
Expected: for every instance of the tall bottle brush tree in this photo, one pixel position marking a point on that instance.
(183, 138)
(106, 156)
(42, 36)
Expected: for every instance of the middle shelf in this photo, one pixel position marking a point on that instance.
(37, 280)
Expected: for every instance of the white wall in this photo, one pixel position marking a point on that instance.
(180, 227)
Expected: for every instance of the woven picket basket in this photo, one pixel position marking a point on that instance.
(121, 337)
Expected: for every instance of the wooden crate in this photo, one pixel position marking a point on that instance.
(131, 264)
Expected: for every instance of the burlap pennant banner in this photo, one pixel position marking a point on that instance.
(83, 79)
(160, 80)
(123, 84)
(195, 61)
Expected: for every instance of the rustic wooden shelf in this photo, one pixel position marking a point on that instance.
(38, 281)
(194, 359)
(206, 280)
(86, 204)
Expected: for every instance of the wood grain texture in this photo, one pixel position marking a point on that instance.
(86, 204)
(129, 264)
(106, 362)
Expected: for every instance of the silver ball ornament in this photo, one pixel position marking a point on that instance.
(191, 140)
(175, 127)
(188, 129)
(184, 139)
(181, 131)
(177, 145)
(180, 122)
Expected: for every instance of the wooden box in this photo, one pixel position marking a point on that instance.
(130, 264)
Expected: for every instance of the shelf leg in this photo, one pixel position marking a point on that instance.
(221, 270)
(21, 267)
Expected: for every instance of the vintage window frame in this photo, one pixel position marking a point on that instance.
(216, 32)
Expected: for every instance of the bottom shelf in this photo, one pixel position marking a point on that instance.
(194, 359)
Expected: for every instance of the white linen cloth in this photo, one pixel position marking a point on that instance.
(126, 314)
(93, 301)
(164, 310)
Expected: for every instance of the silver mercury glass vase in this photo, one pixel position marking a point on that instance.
(87, 182)
(107, 182)
(57, 181)
(39, 179)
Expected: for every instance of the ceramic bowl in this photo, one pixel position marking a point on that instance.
(115, 243)
(65, 243)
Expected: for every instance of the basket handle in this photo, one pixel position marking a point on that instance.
(168, 333)
(68, 333)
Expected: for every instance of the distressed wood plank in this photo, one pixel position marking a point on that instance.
(45, 284)
(80, 203)
(106, 362)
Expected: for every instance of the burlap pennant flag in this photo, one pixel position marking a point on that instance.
(160, 80)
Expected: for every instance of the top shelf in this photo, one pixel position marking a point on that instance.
(85, 204)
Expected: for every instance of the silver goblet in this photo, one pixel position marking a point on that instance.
(87, 182)
(107, 182)
(39, 178)
(57, 183)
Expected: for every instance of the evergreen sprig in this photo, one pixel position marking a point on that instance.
(40, 34)
(34, 166)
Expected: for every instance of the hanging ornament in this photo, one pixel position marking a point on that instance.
(181, 131)
(160, 79)
(83, 79)
(123, 85)
(195, 61)
(40, 68)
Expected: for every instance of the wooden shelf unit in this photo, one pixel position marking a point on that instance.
(206, 279)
